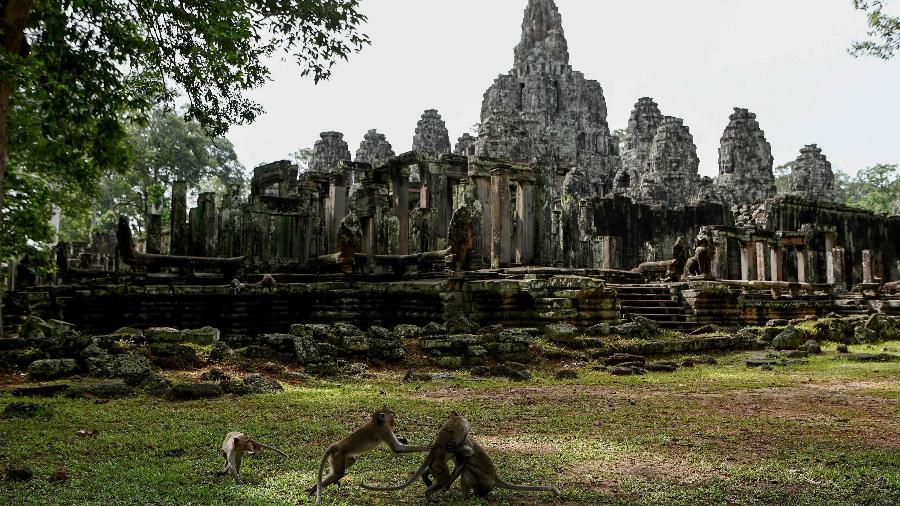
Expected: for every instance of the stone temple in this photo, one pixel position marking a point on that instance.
(535, 222)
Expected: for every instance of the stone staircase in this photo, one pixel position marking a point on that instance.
(657, 303)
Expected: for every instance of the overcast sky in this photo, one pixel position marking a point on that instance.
(785, 60)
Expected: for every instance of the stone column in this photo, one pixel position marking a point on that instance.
(179, 230)
(776, 263)
(400, 190)
(482, 186)
(748, 258)
(525, 229)
(336, 208)
(802, 263)
(829, 258)
(837, 270)
(761, 261)
(501, 221)
(867, 266)
(154, 233)
(209, 233)
(611, 255)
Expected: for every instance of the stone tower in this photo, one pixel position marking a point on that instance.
(431, 134)
(374, 146)
(811, 175)
(465, 145)
(329, 152)
(745, 161)
(545, 113)
(672, 178)
(642, 125)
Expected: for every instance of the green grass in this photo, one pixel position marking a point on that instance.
(827, 432)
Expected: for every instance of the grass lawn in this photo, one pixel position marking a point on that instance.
(827, 432)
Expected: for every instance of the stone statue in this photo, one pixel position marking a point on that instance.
(461, 236)
(679, 256)
(700, 264)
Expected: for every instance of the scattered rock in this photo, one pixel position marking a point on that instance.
(661, 367)
(163, 334)
(128, 332)
(41, 390)
(843, 348)
(561, 332)
(24, 410)
(201, 336)
(813, 347)
(626, 371)
(873, 357)
(638, 328)
(687, 363)
(790, 338)
(174, 356)
(759, 362)
(599, 330)
(621, 358)
(52, 368)
(408, 331)
(461, 325)
(777, 323)
(260, 384)
(157, 385)
(104, 390)
(221, 353)
(510, 370)
(567, 374)
(195, 391)
(706, 329)
(214, 375)
(795, 354)
(18, 472)
(87, 433)
(61, 475)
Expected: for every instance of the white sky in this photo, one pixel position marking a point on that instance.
(785, 60)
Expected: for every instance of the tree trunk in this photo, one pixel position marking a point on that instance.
(15, 19)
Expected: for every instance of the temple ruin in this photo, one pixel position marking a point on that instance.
(537, 220)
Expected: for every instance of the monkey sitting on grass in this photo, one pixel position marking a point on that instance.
(233, 449)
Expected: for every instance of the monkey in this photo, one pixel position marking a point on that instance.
(343, 454)
(478, 473)
(452, 435)
(233, 449)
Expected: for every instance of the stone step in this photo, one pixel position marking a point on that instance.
(665, 317)
(649, 302)
(653, 310)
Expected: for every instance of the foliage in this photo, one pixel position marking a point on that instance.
(302, 157)
(619, 135)
(783, 177)
(874, 188)
(90, 68)
(884, 31)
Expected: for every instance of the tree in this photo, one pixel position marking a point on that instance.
(783, 177)
(874, 188)
(302, 157)
(884, 31)
(73, 73)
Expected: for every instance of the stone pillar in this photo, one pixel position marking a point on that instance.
(867, 266)
(154, 233)
(611, 255)
(525, 227)
(837, 270)
(501, 220)
(483, 196)
(336, 208)
(179, 230)
(748, 258)
(761, 261)
(209, 233)
(400, 190)
(776, 263)
(829, 258)
(802, 264)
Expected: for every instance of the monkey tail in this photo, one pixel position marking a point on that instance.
(325, 456)
(276, 450)
(394, 488)
(527, 488)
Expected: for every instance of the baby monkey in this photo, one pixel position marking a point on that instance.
(233, 449)
(343, 454)
(451, 437)
(477, 472)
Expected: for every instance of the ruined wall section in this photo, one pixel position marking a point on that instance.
(465, 145)
(545, 113)
(812, 177)
(745, 161)
(639, 136)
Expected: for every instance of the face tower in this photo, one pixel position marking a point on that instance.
(545, 113)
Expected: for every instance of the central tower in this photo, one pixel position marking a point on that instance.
(545, 113)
